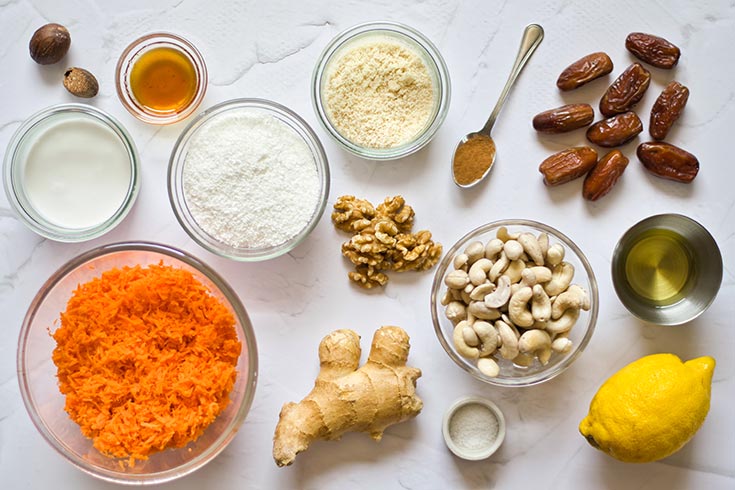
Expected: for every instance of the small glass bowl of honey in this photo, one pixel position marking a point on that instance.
(161, 78)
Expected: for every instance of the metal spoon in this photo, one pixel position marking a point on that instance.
(532, 37)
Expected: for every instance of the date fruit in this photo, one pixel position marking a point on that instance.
(584, 70)
(626, 90)
(616, 130)
(568, 165)
(668, 161)
(565, 118)
(667, 109)
(604, 175)
(654, 50)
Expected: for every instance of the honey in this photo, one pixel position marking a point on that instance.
(163, 80)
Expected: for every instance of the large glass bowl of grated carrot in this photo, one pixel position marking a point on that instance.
(137, 362)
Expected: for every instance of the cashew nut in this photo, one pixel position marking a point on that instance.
(563, 323)
(463, 349)
(478, 271)
(561, 278)
(543, 241)
(540, 304)
(517, 310)
(501, 295)
(543, 274)
(503, 234)
(456, 294)
(532, 248)
(561, 345)
(447, 298)
(460, 262)
(534, 341)
(528, 278)
(498, 267)
(574, 297)
(469, 335)
(493, 248)
(513, 249)
(488, 367)
(514, 270)
(455, 311)
(474, 251)
(470, 318)
(481, 291)
(488, 336)
(555, 254)
(523, 360)
(508, 340)
(478, 309)
(465, 297)
(457, 279)
(544, 355)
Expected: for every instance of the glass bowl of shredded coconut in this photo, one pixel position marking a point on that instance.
(248, 179)
(381, 90)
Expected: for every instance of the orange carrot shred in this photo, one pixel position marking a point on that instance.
(146, 358)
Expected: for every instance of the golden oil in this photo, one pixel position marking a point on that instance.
(163, 80)
(659, 266)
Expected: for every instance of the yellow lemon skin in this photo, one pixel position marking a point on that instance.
(650, 408)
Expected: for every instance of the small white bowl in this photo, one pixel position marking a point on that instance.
(467, 453)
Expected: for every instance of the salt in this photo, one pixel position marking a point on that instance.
(250, 180)
(473, 427)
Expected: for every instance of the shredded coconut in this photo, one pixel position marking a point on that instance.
(473, 427)
(250, 180)
(379, 93)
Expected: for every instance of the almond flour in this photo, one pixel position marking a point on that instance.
(379, 92)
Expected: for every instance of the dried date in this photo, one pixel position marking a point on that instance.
(564, 118)
(584, 70)
(626, 90)
(604, 175)
(654, 50)
(616, 130)
(667, 109)
(568, 165)
(668, 161)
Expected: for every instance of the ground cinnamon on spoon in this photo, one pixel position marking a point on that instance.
(472, 159)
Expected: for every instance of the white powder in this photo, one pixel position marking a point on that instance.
(473, 427)
(379, 93)
(250, 180)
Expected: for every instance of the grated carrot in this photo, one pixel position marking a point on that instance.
(146, 358)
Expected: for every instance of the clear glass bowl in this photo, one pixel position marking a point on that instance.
(134, 51)
(510, 373)
(176, 180)
(431, 57)
(45, 403)
(14, 170)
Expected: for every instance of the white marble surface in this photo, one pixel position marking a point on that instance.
(268, 49)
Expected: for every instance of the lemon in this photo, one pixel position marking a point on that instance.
(650, 408)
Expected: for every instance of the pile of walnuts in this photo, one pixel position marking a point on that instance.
(382, 239)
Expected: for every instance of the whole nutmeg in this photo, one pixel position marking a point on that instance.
(81, 83)
(49, 44)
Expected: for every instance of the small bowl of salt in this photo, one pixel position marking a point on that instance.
(474, 428)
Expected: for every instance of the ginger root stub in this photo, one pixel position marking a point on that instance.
(346, 399)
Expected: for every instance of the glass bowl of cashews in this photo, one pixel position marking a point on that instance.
(514, 302)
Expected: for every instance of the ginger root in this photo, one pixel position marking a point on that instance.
(344, 398)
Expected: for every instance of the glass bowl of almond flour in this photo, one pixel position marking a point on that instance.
(248, 179)
(381, 90)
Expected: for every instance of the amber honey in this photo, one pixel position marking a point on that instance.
(163, 80)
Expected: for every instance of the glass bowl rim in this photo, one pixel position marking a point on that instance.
(175, 185)
(545, 374)
(439, 68)
(58, 233)
(246, 329)
(173, 41)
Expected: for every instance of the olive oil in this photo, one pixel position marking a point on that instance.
(163, 80)
(659, 267)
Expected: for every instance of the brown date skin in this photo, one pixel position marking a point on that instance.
(668, 161)
(568, 165)
(584, 70)
(654, 50)
(667, 109)
(626, 90)
(616, 130)
(565, 118)
(604, 175)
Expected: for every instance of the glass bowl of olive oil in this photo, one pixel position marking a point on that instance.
(667, 269)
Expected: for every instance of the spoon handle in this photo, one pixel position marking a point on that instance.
(532, 37)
